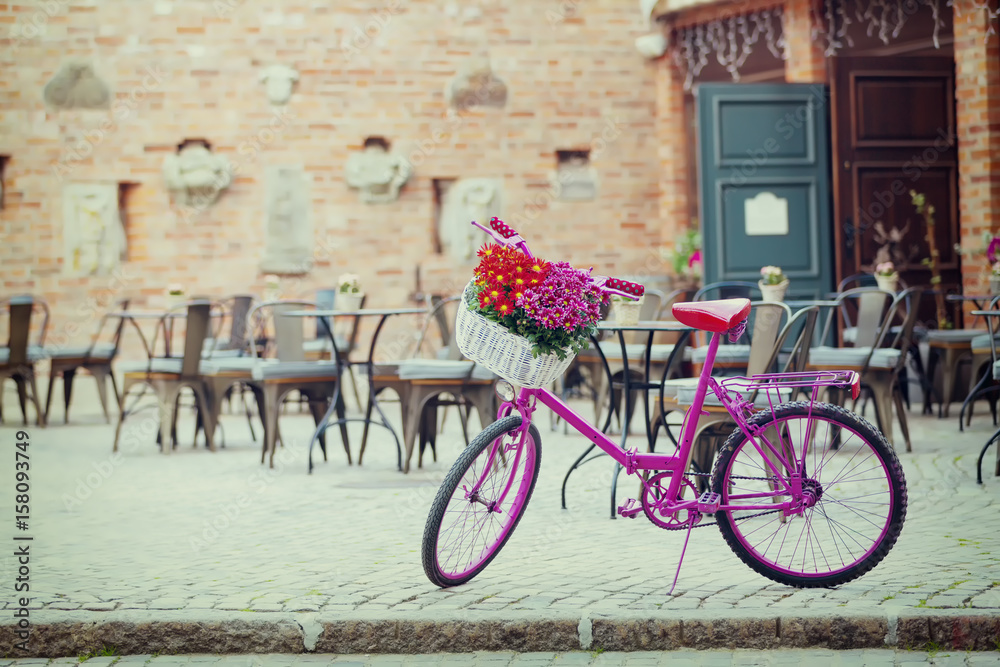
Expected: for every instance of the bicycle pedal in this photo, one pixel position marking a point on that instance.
(709, 502)
(630, 509)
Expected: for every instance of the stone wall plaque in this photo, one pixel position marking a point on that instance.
(476, 84)
(288, 230)
(466, 200)
(377, 173)
(93, 233)
(195, 176)
(279, 80)
(77, 86)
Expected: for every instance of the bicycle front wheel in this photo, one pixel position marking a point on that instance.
(850, 476)
(480, 502)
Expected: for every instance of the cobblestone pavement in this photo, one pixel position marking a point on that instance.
(220, 533)
(789, 658)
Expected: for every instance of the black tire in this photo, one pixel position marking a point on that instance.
(832, 500)
(445, 497)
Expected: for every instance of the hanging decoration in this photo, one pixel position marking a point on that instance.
(730, 40)
(884, 18)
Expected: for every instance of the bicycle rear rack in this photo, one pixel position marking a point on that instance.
(768, 382)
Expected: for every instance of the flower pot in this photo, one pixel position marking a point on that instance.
(626, 313)
(174, 300)
(994, 285)
(887, 283)
(773, 292)
(348, 301)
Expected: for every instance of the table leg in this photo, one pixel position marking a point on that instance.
(322, 425)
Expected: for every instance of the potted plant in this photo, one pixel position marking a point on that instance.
(773, 283)
(526, 318)
(175, 296)
(349, 292)
(886, 276)
(995, 278)
(272, 287)
(685, 258)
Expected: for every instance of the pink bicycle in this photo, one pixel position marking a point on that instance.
(805, 493)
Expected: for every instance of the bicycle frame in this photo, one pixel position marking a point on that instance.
(787, 478)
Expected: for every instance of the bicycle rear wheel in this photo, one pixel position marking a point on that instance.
(465, 528)
(848, 468)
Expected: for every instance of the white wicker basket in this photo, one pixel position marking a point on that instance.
(506, 354)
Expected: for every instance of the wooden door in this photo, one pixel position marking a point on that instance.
(764, 178)
(893, 125)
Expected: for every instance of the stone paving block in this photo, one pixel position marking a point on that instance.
(758, 633)
(654, 634)
(836, 632)
(964, 633)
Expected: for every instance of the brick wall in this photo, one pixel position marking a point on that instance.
(806, 61)
(977, 95)
(182, 69)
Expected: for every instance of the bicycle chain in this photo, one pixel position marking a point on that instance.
(715, 523)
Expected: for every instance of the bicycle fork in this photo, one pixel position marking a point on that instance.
(525, 404)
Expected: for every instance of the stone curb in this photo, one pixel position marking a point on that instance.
(177, 632)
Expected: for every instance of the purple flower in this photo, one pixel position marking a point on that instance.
(991, 251)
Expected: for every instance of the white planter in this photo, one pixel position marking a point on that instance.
(994, 285)
(773, 292)
(174, 300)
(888, 283)
(626, 313)
(347, 302)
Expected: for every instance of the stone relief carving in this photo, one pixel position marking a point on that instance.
(93, 233)
(280, 79)
(576, 180)
(468, 199)
(288, 232)
(476, 85)
(195, 177)
(377, 173)
(77, 86)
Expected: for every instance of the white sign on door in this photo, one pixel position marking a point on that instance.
(766, 215)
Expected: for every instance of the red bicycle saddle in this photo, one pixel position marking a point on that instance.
(715, 316)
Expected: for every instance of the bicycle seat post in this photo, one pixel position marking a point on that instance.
(693, 413)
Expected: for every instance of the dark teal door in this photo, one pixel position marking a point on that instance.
(764, 183)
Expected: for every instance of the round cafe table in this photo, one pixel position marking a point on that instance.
(373, 404)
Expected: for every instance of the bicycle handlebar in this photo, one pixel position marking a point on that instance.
(505, 235)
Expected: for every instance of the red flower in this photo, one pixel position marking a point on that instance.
(539, 266)
(489, 250)
(504, 307)
(484, 300)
